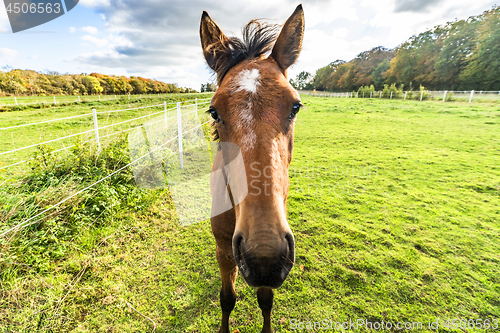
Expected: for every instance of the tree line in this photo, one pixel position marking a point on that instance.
(19, 82)
(459, 55)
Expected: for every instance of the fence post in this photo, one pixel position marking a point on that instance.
(55, 102)
(96, 128)
(166, 115)
(421, 95)
(444, 95)
(363, 94)
(380, 95)
(406, 92)
(78, 98)
(371, 93)
(471, 94)
(99, 98)
(391, 95)
(140, 95)
(15, 99)
(196, 105)
(179, 135)
(115, 96)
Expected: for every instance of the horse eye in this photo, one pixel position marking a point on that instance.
(295, 109)
(214, 114)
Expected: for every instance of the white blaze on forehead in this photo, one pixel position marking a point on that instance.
(248, 80)
(248, 141)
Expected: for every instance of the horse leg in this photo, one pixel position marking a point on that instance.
(265, 299)
(228, 271)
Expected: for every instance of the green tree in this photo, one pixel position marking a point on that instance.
(483, 68)
(304, 81)
(92, 85)
(137, 85)
(458, 44)
(378, 75)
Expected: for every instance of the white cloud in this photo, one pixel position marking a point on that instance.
(94, 3)
(72, 29)
(402, 25)
(329, 11)
(321, 48)
(340, 33)
(110, 53)
(90, 30)
(8, 56)
(94, 40)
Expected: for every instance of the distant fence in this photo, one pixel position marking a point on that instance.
(162, 117)
(65, 99)
(442, 95)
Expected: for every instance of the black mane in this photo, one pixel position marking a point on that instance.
(258, 39)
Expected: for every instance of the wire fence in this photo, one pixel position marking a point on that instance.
(95, 119)
(438, 95)
(68, 99)
(97, 137)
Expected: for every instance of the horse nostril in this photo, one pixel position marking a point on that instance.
(238, 257)
(291, 247)
(237, 239)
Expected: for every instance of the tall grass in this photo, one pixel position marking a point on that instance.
(53, 178)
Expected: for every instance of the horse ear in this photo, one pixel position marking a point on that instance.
(213, 40)
(289, 43)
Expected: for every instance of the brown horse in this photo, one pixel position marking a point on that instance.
(254, 108)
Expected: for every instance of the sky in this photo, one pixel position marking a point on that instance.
(159, 39)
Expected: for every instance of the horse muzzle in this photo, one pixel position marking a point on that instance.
(264, 263)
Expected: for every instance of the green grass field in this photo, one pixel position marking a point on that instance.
(395, 208)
